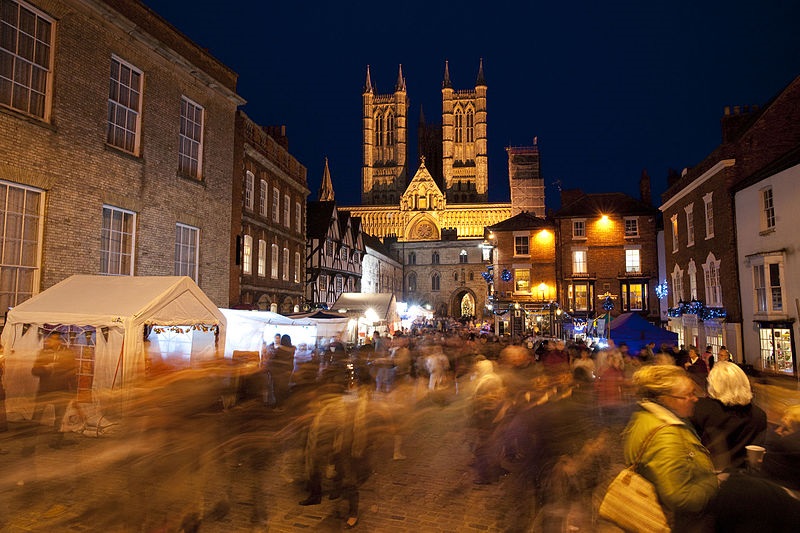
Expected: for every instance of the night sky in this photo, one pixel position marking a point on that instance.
(609, 88)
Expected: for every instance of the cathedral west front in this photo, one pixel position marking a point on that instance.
(435, 221)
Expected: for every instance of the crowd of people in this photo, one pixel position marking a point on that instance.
(554, 420)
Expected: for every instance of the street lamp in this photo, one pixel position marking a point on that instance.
(542, 289)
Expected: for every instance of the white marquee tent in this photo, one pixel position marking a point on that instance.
(117, 308)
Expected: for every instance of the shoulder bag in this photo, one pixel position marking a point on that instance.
(631, 501)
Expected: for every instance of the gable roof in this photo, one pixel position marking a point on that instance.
(319, 216)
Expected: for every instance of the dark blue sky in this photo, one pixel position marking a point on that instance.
(609, 88)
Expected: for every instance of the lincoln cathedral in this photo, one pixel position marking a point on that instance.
(435, 221)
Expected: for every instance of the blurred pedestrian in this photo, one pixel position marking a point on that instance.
(782, 460)
(280, 367)
(56, 368)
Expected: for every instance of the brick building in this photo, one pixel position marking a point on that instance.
(522, 274)
(607, 252)
(715, 296)
(268, 248)
(116, 139)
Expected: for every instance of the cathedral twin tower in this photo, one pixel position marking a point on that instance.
(456, 150)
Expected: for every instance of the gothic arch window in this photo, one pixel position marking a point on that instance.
(692, 271)
(459, 126)
(435, 258)
(412, 258)
(462, 257)
(378, 129)
(713, 286)
(470, 126)
(472, 276)
(390, 129)
(412, 282)
(435, 281)
(455, 276)
(677, 286)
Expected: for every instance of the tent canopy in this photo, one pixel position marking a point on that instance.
(99, 301)
(358, 303)
(117, 306)
(247, 330)
(637, 332)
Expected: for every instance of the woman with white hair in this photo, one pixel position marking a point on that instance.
(727, 420)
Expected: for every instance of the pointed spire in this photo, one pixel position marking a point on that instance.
(368, 83)
(326, 187)
(421, 116)
(401, 81)
(446, 82)
(481, 81)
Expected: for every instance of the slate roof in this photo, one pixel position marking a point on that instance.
(521, 221)
(610, 203)
(318, 218)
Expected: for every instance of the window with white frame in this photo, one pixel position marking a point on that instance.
(298, 217)
(767, 209)
(262, 258)
(631, 227)
(287, 208)
(187, 247)
(262, 198)
(249, 185)
(21, 212)
(285, 274)
(711, 277)
(117, 241)
(522, 280)
(297, 267)
(579, 228)
(521, 245)
(692, 273)
(25, 58)
(462, 256)
(580, 297)
(247, 254)
(124, 106)
(674, 224)
(677, 286)
(689, 224)
(275, 261)
(708, 204)
(190, 139)
(579, 262)
(767, 276)
(276, 200)
(633, 263)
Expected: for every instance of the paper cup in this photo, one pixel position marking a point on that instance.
(755, 455)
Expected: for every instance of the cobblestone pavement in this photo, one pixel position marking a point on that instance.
(112, 483)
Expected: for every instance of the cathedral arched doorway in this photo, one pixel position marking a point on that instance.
(464, 304)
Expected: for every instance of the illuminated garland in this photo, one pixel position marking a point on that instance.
(696, 307)
(506, 275)
(608, 304)
(488, 276)
(662, 290)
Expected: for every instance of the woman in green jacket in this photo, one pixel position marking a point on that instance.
(675, 461)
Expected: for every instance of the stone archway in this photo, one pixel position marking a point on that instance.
(464, 303)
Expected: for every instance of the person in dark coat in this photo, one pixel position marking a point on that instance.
(696, 367)
(727, 420)
(280, 366)
(782, 460)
